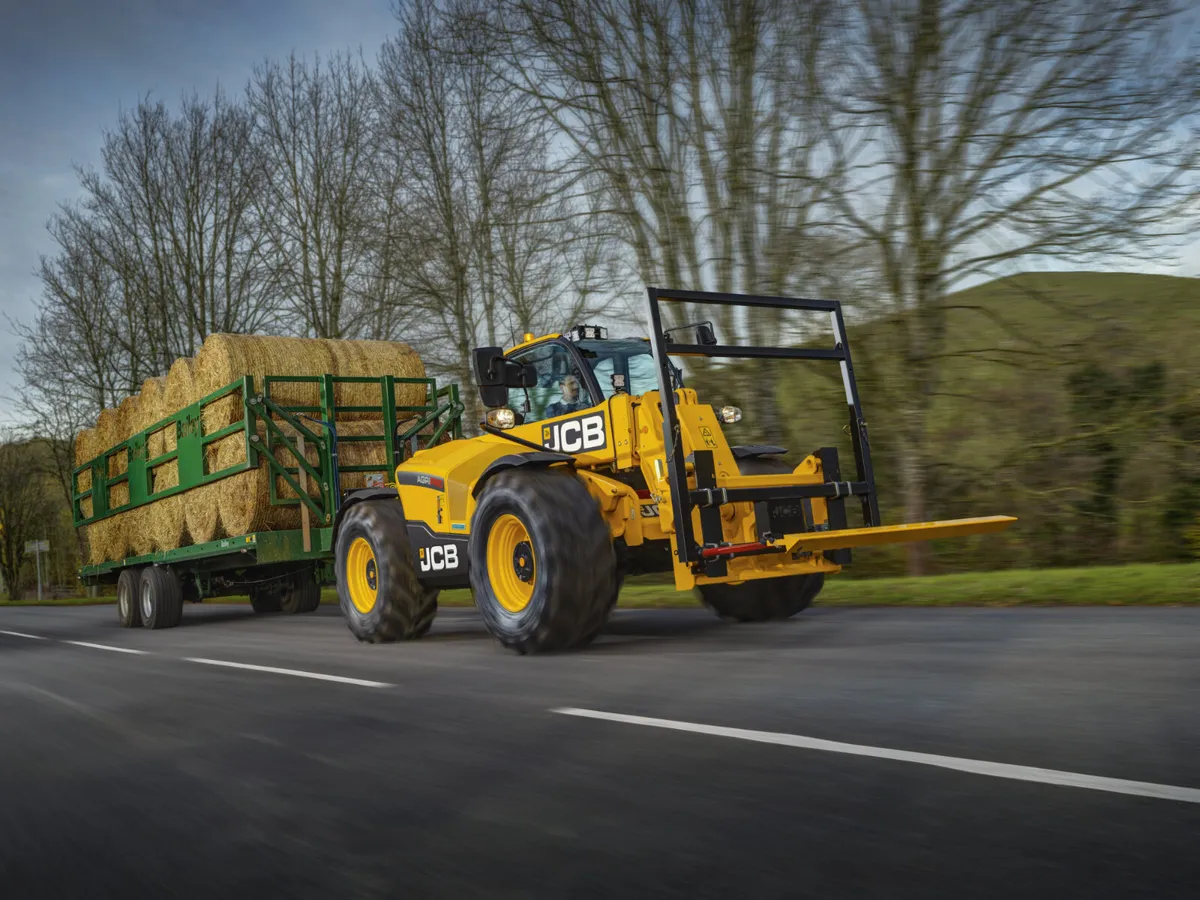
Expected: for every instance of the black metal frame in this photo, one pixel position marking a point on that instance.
(707, 496)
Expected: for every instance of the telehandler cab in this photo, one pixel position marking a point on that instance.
(596, 462)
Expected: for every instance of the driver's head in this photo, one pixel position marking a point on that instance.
(570, 388)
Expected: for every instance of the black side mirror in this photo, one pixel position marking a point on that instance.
(495, 375)
(705, 336)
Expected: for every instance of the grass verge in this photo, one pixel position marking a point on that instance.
(1133, 585)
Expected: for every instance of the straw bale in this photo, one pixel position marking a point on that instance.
(200, 511)
(374, 359)
(180, 389)
(86, 448)
(166, 518)
(227, 357)
(138, 523)
(114, 536)
(244, 502)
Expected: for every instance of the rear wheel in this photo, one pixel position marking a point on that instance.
(129, 609)
(763, 599)
(161, 597)
(379, 593)
(301, 595)
(263, 599)
(543, 570)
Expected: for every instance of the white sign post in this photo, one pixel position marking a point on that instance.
(37, 548)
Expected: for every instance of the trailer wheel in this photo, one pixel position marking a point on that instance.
(263, 599)
(129, 609)
(763, 599)
(378, 591)
(302, 594)
(161, 597)
(543, 570)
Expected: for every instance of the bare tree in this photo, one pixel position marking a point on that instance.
(971, 135)
(701, 122)
(482, 218)
(314, 131)
(26, 511)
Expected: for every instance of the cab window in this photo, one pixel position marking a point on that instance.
(561, 388)
(630, 358)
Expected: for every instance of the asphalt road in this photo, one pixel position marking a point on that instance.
(441, 768)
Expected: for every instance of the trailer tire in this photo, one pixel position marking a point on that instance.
(763, 599)
(263, 600)
(543, 570)
(161, 597)
(129, 609)
(378, 591)
(301, 595)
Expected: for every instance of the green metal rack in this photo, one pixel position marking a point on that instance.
(425, 424)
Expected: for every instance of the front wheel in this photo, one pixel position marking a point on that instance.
(763, 599)
(379, 593)
(543, 570)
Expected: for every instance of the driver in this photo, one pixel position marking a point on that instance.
(571, 401)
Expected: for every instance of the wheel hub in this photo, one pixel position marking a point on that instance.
(523, 561)
(372, 575)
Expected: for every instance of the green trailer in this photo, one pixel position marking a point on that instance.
(280, 571)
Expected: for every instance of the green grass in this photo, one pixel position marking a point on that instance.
(1134, 585)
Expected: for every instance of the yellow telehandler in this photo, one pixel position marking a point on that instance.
(596, 462)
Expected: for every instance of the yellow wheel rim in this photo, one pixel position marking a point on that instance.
(362, 575)
(511, 566)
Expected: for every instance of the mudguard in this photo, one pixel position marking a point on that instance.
(537, 458)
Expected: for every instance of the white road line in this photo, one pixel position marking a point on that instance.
(106, 647)
(973, 766)
(341, 679)
(32, 637)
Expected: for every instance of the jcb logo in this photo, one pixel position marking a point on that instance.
(575, 435)
(438, 558)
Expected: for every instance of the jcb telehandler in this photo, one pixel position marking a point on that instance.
(596, 462)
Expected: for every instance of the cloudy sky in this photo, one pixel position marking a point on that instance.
(67, 67)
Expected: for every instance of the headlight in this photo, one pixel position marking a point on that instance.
(729, 414)
(501, 418)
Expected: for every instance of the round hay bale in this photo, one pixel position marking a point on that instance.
(227, 357)
(106, 538)
(200, 511)
(116, 532)
(244, 499)
(374, 359)
(167, 519)
(139, 523)
(180, 388)
(86, 447)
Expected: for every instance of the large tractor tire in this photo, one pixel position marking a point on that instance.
(129, 600)
(543, 569)
(161, 597)
(764, 599)
(381, 598)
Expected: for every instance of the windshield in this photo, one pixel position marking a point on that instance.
(631, 358)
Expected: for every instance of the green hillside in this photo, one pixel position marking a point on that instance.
(1071, 400)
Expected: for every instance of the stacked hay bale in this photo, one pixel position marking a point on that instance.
(167, 516)
(244, 499)
(86, 447)
(239, 503)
